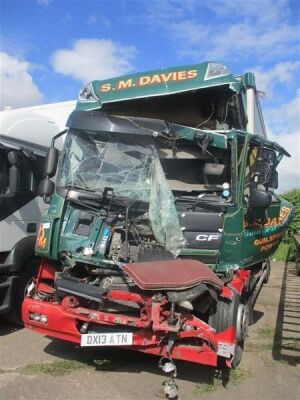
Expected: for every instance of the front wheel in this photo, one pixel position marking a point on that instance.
(231, 313)
(30, 269)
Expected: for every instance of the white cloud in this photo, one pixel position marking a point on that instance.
(234, 41)
(283, 127)
(17, 86)
(244, 39)
(288, 169)
(262, 11)
(285, 118)
(91, 59)
(232, 30)
(283, 72)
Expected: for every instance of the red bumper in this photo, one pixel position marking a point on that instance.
(200, 346)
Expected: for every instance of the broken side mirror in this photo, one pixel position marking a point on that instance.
(259, 198)
(274, 180)
(264, 169)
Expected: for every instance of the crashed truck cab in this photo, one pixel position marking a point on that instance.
(161, 219)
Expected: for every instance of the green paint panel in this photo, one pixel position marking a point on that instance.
(157, 83)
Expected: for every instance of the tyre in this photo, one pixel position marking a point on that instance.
(30, 269)
(268, 268)
(231, 313)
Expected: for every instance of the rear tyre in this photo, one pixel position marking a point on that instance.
(231, 313)
(30, 269)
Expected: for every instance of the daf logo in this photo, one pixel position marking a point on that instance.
(208, 238)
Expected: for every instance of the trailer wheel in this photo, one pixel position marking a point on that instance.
(227, 314)
(30, 269)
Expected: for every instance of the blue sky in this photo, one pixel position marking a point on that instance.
(49, 48)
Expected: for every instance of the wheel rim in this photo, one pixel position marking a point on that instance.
(242, 322)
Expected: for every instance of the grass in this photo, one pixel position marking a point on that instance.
(239, 374)
(266, 333)
(235, 376)
(55, 368)
(203, 388)
(264, 347)
(283, 252)
(292, 342)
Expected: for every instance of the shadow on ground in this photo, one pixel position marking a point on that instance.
(120, 360)
(286, 343)
(7, 328)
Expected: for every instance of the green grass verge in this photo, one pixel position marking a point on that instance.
(234, 376)
(55, 368)
(283, 252)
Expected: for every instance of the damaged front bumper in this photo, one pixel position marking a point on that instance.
(193, 341)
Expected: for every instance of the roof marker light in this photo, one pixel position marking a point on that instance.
(215, 70)
(87, 94)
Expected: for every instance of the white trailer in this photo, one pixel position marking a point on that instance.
(25, 135)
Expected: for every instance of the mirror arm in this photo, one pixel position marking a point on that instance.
(57, 136)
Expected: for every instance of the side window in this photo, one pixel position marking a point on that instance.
(250, 168)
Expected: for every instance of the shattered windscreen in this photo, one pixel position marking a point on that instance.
(129, 164)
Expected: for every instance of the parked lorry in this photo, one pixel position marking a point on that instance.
(162, 217)
(24, 139)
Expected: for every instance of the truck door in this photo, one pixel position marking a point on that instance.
(262, 222)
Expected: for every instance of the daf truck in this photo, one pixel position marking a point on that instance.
(162, 218)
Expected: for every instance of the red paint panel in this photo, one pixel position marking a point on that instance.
(171, 274)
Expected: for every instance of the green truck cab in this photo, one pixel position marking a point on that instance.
(162, 212)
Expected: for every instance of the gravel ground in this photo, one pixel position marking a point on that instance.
(35, 367)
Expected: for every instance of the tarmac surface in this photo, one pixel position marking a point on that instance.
(33, 366)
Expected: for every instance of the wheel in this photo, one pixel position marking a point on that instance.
(231, 313)
(268, 268)
(30, 269)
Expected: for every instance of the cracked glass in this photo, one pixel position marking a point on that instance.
(129, 164)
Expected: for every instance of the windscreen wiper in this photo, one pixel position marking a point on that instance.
(209, 205)
(75, 187)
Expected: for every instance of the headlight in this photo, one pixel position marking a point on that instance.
(38, 317)
(215, 70)
(87, 94)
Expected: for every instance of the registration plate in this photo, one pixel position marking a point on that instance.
(106, 339)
